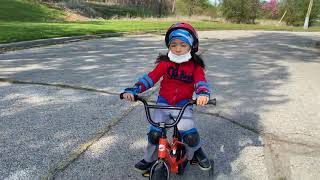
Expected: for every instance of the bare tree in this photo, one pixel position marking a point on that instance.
(160, 8)
(193, 4)
(173, 6)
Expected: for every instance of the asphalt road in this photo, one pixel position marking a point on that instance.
(61, 117)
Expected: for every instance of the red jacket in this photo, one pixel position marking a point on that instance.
(179, 81)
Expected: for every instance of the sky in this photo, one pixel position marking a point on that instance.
(213, 1)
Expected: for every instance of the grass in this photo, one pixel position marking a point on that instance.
(22, 20)
(28, 10)
(21, 31)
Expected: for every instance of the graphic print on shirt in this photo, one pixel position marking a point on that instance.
(173, 73)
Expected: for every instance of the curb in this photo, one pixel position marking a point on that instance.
(51, 41)
(60, 40)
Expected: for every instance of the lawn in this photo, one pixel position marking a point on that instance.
(22, 20)
(21, 31)
(28, 11)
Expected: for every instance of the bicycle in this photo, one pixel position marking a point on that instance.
(171, 156)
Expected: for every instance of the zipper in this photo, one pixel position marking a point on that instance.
(176, 89)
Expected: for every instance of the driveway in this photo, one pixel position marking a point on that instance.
(61, 117)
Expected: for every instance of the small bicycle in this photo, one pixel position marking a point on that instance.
(171, 156)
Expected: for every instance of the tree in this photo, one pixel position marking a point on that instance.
(240, 11)
(270, 9)
(297, 9)
(173, 9)
(159, 7)
(191, 7)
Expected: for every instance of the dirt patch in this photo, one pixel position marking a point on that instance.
(71, 16)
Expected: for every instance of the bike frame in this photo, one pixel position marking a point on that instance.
(164, 150)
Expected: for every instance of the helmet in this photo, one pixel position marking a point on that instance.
(189, 28)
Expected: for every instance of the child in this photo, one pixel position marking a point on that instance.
(182, 71)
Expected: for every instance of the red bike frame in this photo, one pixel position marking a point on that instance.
(164, 153)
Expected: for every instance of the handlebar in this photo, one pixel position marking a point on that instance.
(147, 108)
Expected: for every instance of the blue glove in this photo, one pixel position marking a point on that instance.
(203, 93)
(133, 90)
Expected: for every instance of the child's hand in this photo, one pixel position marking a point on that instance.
(202, 100)
(128, 96)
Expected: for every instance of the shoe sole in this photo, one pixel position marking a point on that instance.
(140, 170)
(204, 169)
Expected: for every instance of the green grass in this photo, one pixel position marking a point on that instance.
(22, 20)
(20, 31)
(27, 10)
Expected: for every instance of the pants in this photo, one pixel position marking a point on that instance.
(186, 124)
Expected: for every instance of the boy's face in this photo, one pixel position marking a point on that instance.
(179, 47)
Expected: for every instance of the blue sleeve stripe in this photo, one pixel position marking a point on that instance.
(144, 82)
(197, 95)
(209, 87)
(203, 86)
(149, 85)
(201, 83)
(149, 80)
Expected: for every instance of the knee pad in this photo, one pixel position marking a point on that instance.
(192, 139)
(153, 136)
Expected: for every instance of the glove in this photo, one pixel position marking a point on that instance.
(133, 90)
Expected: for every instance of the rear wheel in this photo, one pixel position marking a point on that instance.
(159, 171)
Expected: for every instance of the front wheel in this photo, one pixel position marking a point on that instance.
(180, 153)
(159, 171)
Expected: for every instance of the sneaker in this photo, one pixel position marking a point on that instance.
(203, 161)
(143, 166)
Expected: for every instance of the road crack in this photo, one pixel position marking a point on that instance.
(65, 86)
(75, 154)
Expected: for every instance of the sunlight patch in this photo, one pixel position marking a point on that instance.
(139, 144)
(3, 84)
(102, 146)
(21, 174)
(88, 67)
(13, 70)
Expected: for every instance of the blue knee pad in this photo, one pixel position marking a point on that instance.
(191, 137)
(154, 135)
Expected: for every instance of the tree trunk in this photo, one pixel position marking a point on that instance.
(160, 8)
(191, 8)
(173, 6)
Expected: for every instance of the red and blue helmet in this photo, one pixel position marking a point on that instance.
(187, 27)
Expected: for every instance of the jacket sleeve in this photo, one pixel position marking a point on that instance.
(201, 87)
(147, 81)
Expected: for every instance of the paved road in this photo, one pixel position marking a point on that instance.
(61, 117)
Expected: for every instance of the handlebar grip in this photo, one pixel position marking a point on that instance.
(121, 95)
(213, 101)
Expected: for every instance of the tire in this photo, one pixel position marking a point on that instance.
(159, 171)
(181, 151)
